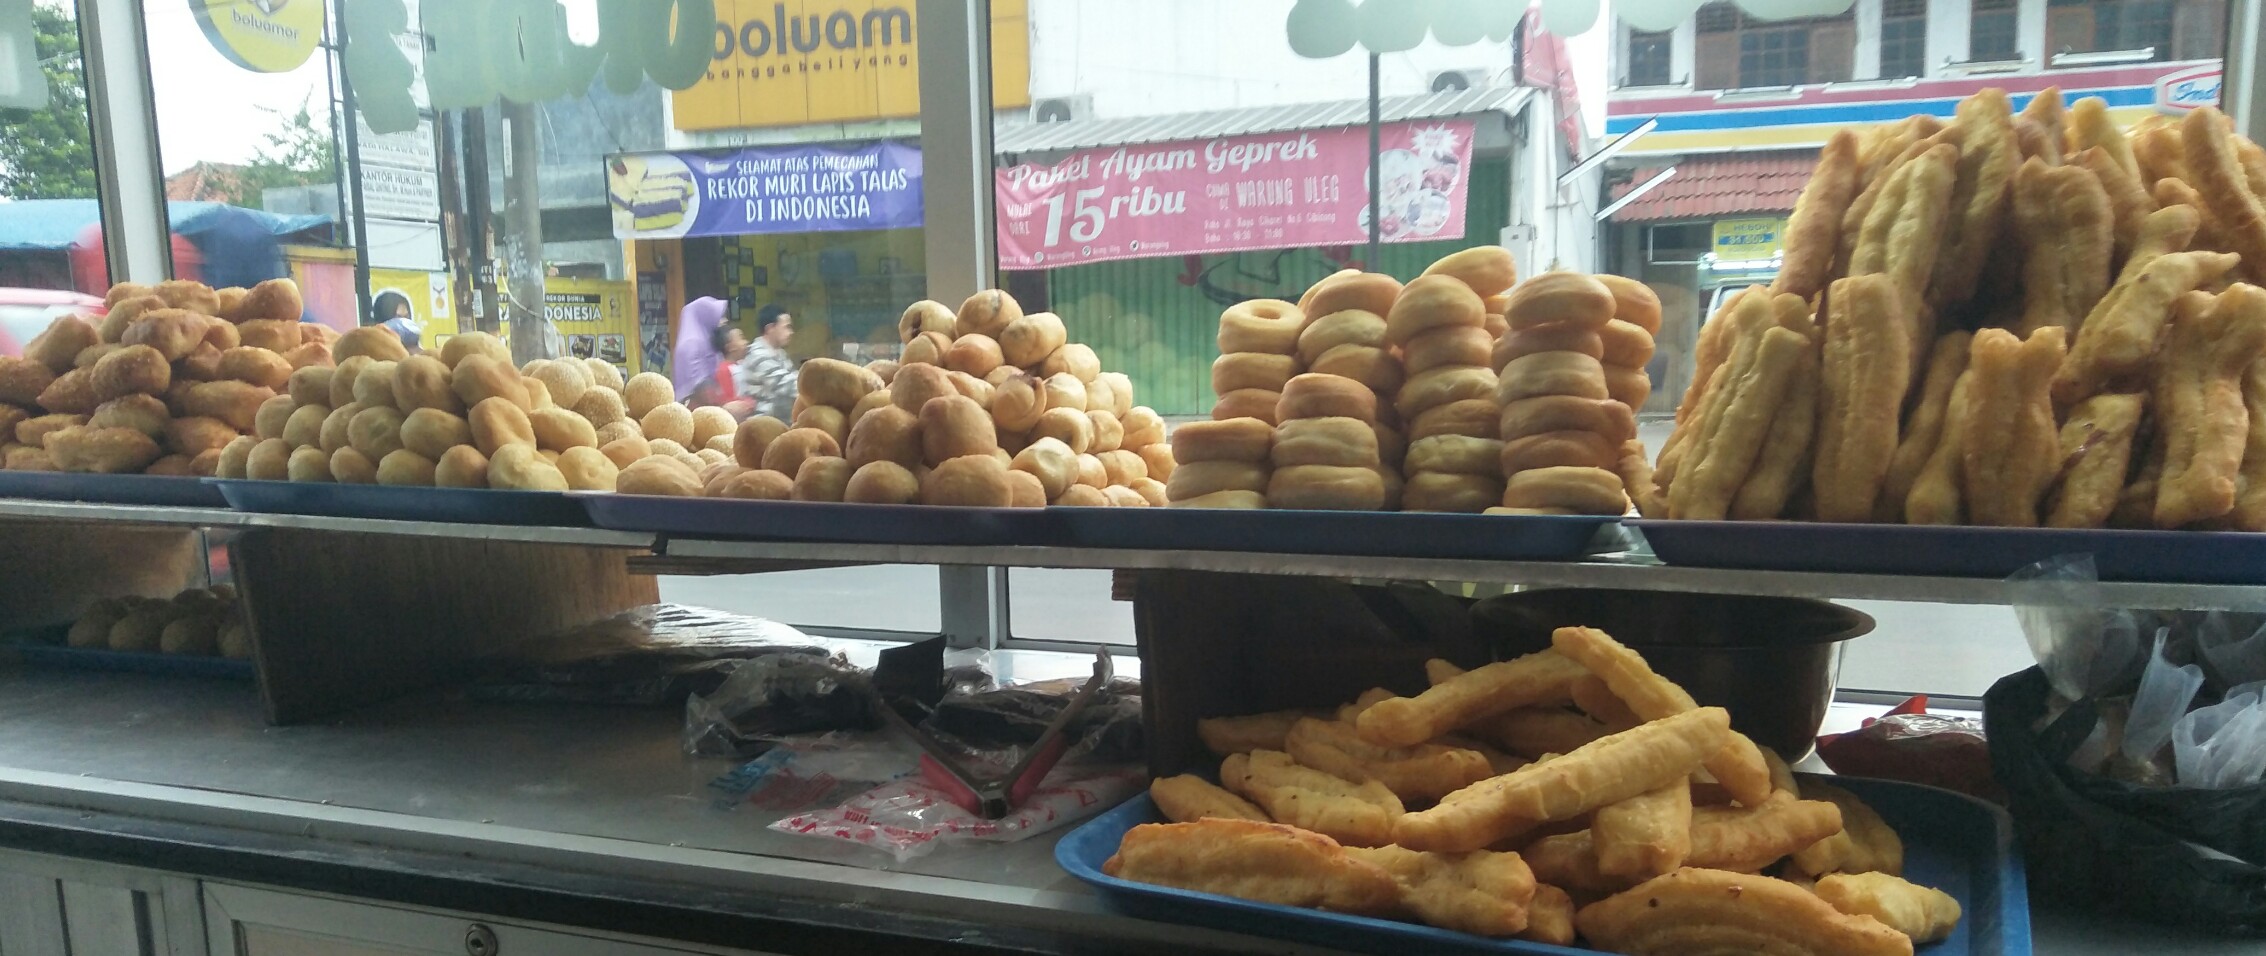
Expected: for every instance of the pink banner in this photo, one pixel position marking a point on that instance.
(1234, 194)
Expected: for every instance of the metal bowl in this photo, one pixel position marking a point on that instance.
(1770, 661)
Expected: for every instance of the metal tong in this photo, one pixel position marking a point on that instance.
(994, 797)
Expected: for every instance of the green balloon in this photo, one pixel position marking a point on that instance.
(677, 62)
(374, 65)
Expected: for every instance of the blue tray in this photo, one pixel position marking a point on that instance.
(1952, 842)
(45, 648)
(826, 521)
(395, 503)
(1403, 534)
(2193, 557)
(164, 490)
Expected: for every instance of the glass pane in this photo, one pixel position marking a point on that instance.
(823, 597)
(1067, 605)
(50, 222)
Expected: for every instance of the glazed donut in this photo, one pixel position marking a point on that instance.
(1235, 439)
(1123, 467)
(1550, 413)
(1261, 370)
(1248, 403)
(1595, 491)
(1475, 417)
(1371, 366)
(1392, 449)
(927, 315)
(1109, 433)
(1547, 338)
(1344, 442)
(1196, 479)
(1554, 298)
(1456, 494)
(1317, 395)
(927, 348)
(1241, 500)
(1080, 496)
(1268, 326)
(1432, 302)
(1455, 345)
(1629, 386)
(1625, 344)
(1091, 472)
(1064, 390)
(1440, 386)
(1551, 373)
(989, 312)
(972, 481)
(1143, 427)
(1075, 358)
(952, 426)
(1017, 403)
(1488, 270)
(1067, 425)
(1160, 459)
(1326, 488)
(1633, 302)
(1055, 465)
(1029, 340)
(975, 353)
(1350, 327)
(916, 384)
(1558, 448)
(1367, 291)
(1456, 455)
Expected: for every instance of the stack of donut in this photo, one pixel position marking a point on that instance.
(1627, 340)
(1222, 464)
(1440, 322)
(1561, 428)
(1258, 353)
(989, 406)
(1345, 336)
(1325, 452)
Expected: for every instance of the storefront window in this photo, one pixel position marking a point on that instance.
(2142, 28)
(1650, 57)
(51, 249)
(1903, 39)
(1739, 51)
(1992, 32)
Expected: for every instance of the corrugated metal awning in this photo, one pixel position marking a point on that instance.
(1022, 138)
(1707, 187)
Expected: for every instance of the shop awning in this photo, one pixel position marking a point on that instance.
(58, 224)
(1707, 187)
(1022, 138)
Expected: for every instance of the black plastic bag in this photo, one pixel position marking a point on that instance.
(2175, 856)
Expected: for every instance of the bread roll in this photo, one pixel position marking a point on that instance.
(1027, 341)
(408, 469)
(954, 426)
(1082, 496)
(976, 354)
(1122, 467)
(917, 384)
(1064, 390)
(825, 418)
(1017, 403)
(1120, 392)
(1160, 461)
(1072, 428)
(882, 483)
(757, 484)
(927, 315)
(978, 481)
(1024, 490)
(1109, 433)
(822, 478)
(927, 348)
(753, 436)
(825, 381)
(1091, 472)
(1143, 427)
(461, 467)
(658, 475)
(1075, 359)
(787, 453)
(1052, 462)
(884, 434)
(989, 312)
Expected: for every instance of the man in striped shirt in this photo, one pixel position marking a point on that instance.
(767, 374)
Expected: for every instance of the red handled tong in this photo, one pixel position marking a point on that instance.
(994, 797)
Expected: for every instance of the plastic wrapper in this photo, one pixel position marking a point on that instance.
(1012, 718)
(2222, 745)
(652, 655)
(907, 818)
(768, 698)
(2084, 648)
(818, 771)
(1931, 749)
(2235, 654)
(2166, 690)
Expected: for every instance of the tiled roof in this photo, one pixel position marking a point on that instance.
(1706, 187)
(204, 182)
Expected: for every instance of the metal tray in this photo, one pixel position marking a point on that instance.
(1953, 842)
(393, 503)
(45, 647)
(826, 521)
(1399, 534)
(162, 490)
(2190, 557)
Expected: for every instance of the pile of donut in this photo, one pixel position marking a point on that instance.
(1462, 391)
(988, 406)
(160, 383)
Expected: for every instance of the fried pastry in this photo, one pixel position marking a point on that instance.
(1188, 798)
(1865, 844)
(2066, 230)
(2120, 335)
(1925, 429)
(1419, 773)
(2200, 415)
(1481, 892)
(1356, 814)
(1646, 835)
(1862, 380)
(1703, 912)
(1988, 155)
(1923, 913)
(1539, 678)
(1734, 421)
(1550, 918)
(2216, 171)
(1247, 859)
(1814, 231)
(1738, 766)
(1748, 839)
(2012, 450)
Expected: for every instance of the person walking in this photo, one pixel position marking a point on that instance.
(767, 374)
(692, 368)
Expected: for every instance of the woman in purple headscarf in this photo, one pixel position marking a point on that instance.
(693, 368)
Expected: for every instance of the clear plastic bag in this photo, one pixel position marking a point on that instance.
(907, 818)
(2084, 649)
(2223, 745)
(2165, 692)
(2235, 655)
(768, 698)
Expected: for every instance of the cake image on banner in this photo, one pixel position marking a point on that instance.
(652, 195)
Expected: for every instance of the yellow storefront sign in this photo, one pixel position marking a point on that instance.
(1748, 238)
(264, 36)
(787, 62)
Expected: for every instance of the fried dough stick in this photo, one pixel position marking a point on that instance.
(1903, 230)
(1860, 387)
(1987, 158)
(1422, 772)
(1814, 232)
(1646, 835)
(2047, 112)
(1268, 862)
(1550, 918)
(1356, 814)
(2176, 192)
(2201, 414)
(2012, 448)
(1481, 892)
(2096, 451)
(1865, 844)
(1735, 422)
(2163, 232)
(1783, 463)
(1717, 340)
(1750, 838)
(2250, 502)
(1925, 429)
(2217, 172)
(2129, 200)
(1937, 495)
(2090, 127)
(1539, 678)
(1738, 766)
(2120, 336)
(1923, 913)
(1187, 798)
(1878, 185)
(1701, 911)
(2066, 228)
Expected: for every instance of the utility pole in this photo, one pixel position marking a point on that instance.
(479, 225)
(532, 336)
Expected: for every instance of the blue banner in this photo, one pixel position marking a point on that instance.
(764, 189)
